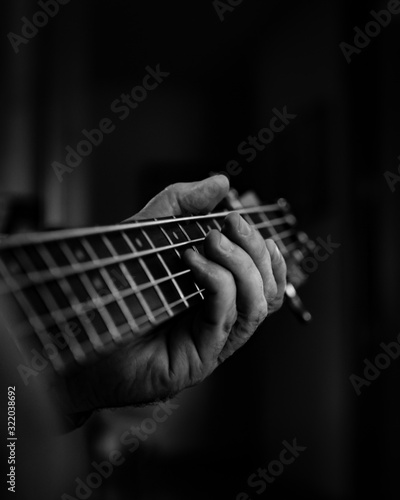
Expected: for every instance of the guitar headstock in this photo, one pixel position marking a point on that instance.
(277, 221)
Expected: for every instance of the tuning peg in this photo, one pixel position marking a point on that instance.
(303, 237)
(306, 241)
(283, 204)
(291, 219)
(296, 305)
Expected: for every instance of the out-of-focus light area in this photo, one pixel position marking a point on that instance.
(225, 82)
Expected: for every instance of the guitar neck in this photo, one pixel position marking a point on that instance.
(94, 288)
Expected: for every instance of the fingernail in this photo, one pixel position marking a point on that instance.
(225, 244)
(278, 252)
(243, 227)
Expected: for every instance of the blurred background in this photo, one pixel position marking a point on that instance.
(226, 77)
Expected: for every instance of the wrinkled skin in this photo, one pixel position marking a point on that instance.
(245, 279)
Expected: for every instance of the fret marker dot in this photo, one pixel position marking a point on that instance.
(138, 243)
(79, 254)
(97, 283)
(175, 235)
(297, 254)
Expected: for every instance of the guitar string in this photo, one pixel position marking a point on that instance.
(94, 303)
(54, 236)
(20, 282)
(79, 349)
(263, 225)
(143, 323)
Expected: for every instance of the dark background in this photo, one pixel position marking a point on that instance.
(225, 79)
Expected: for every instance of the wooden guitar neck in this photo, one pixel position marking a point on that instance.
(92, 289)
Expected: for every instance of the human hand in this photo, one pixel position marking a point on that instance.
(244, 278)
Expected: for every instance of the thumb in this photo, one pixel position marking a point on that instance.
(186, 198)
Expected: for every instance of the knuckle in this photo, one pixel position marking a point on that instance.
(249, 270)
(223, 278)
(273, 249)
(212, 238)
(174, 188)
(271, 291)
(227, 279)
(257, 316)
(258, 243)
(171, 194)
(231, 319)
(279, 303)
(263, 311)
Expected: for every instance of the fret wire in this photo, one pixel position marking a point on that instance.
(268, 223)
(74, 346)
(152, 282)
(275, 235)
(195, 249)
(209, 227)
(54, 236)
(141, 299)
(161, 310)
(37, 325)
(65, 288)
(295, 246)
(23, 302)
(114, 331)
(125, 329)
(48, 298)
(143, 320)
(94, 336)
(176, 284)
(115, 290)
(284, 235)
(219, 227)
(161, 260)
(68, 313)
(56, 271)
(63, 272)
(171, 275)
(180, 301)
(201, 228)
(187, 237)
(59, 363)
(151, 278)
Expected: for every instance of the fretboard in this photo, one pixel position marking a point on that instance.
(87, 290)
